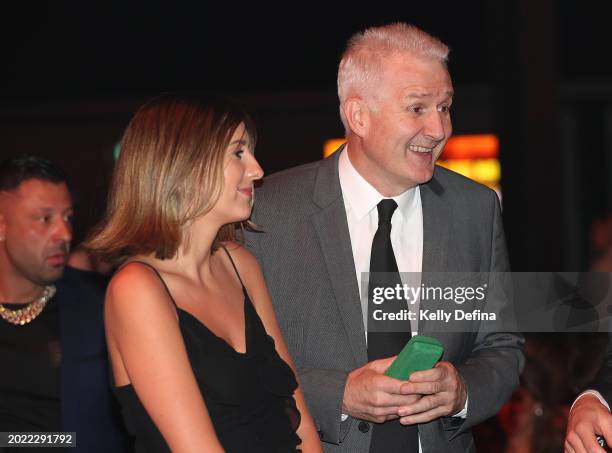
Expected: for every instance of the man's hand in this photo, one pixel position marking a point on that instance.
(587, 419)
(444, 394)
(370, 395)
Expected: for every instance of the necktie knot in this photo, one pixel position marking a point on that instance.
(386, 208)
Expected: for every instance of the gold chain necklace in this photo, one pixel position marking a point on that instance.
(29, 312)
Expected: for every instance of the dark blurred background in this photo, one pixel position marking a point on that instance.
(535, 73)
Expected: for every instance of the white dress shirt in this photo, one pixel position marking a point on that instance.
(360, 201)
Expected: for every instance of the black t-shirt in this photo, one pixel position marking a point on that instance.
(30, 357)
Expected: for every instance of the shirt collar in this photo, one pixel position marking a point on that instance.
(361, 197)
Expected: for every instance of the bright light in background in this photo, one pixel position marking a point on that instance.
(332, 145)
(471, 147)
(474, 156)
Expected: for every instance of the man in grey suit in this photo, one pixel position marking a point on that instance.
(318, 223)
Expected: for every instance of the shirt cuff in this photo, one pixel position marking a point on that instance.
(594, 393)
(343, 417)
(463, 412)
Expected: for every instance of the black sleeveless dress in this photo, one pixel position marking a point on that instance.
(249, 396)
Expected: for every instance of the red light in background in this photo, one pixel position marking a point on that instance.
(481, 146)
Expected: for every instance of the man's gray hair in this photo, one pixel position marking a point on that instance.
(361, 65)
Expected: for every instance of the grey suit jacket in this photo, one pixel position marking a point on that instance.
(305, 253)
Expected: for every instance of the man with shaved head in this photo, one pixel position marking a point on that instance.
(379, 204)
(54, 366)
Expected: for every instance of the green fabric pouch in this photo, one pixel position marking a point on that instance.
(420, 353)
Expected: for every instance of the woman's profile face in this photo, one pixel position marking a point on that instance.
(240, 171)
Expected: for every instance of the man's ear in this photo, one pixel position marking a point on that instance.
(357, 115)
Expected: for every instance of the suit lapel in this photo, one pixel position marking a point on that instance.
(332, 230)
(436, 227)
(436, 239)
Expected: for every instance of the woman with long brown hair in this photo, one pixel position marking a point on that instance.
(199, 362)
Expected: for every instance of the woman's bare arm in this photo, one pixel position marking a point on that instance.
(147, 349)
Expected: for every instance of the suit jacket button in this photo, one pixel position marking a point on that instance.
(363, 427)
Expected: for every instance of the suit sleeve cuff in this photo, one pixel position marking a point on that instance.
(463, 412)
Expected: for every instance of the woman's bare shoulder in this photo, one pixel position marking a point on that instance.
(240, 254)
(136, 286)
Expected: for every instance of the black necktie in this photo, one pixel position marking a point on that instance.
(389, 437)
